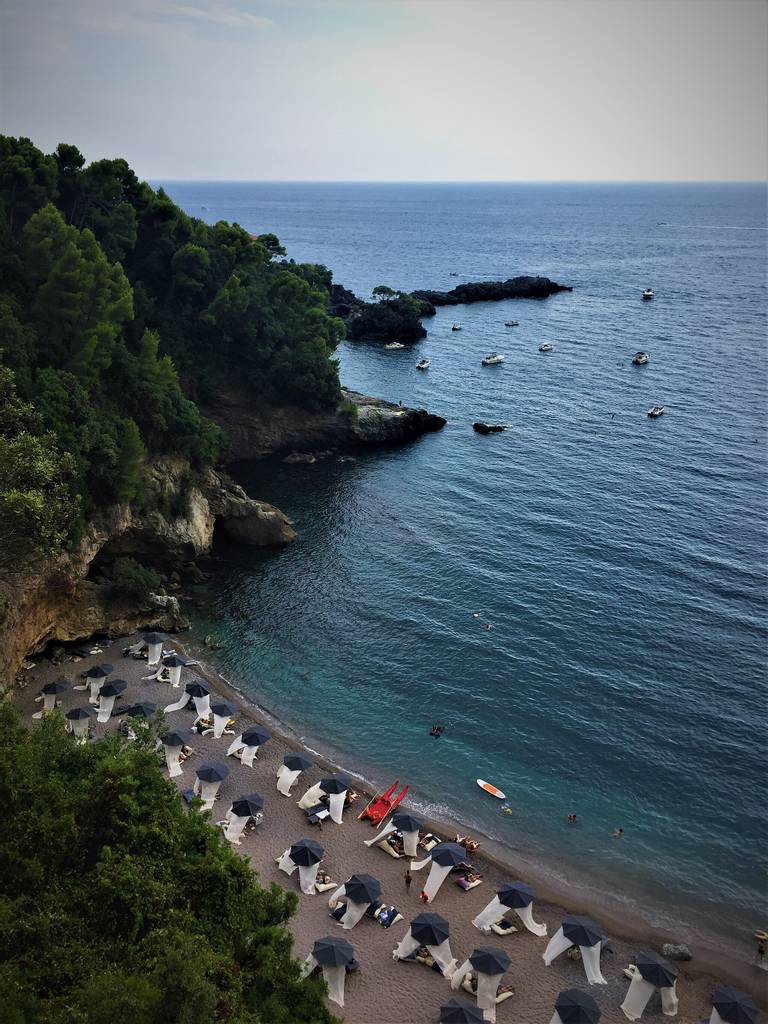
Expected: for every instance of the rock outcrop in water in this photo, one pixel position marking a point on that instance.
(494, 291)
(359, 422)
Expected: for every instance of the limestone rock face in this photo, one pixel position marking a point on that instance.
(246, 520)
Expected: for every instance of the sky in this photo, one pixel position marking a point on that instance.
(394, 90)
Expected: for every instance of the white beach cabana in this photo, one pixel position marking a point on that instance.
(172, 744)
(199, 692)
(588, 936)
(78, 723)
(95, 677)
(652, 973)
(246, 745)
(731, 1006)
(432, 931)
(333, 955)
(304, 856)
(49, 696)
(335, 787)
(408, 825)
(443, 859)
(154, 642)
(240, 813)
(222, 712)
(107, 696)
(515, 896)
(288, 772)
(208, 778)
(490, 964)
(360, 891)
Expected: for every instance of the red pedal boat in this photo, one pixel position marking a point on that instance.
(378, 808)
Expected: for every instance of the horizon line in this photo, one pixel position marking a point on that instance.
(463, 181)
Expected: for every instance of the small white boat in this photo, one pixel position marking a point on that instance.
(511, 323)
(656, 411)
(648, 293)
(492, 359)
(393, 345)
(493, 790)
(456, 327)
(546, 346)
(640, 358)
(422, 364)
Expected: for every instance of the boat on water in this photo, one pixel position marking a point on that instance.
(456, 327)
(656, 411)
(492, 359)
(546, 346)
(640, 358)
(382, 804)
(393, 345)
(648, 293)
(511, 323)
(493, 790)
(422, 364)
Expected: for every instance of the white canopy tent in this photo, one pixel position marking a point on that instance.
(333, 956)
(360, 891)
(640, 991)
(490, 964)
(443, 859)
(407, 825)
(206, 791)
(307, 873)
(439, 951)
(105, 707)
(515, 896)
(585, 934)
(199, 694)
(294, 763)
(575, 1005)
(49, 703)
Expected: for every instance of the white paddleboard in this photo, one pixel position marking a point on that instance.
(490, 789)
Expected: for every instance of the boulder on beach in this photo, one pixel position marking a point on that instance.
(295, 458)
(674, 951)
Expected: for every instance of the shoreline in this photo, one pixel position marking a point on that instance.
(710, 956)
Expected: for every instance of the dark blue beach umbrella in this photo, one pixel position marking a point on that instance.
(295, 762)
(582, 931)
(449, 853)
(141, 710)
(734, 1006)
(173, 739)
(515, 894)
(576, 1007)
(174, 661)
(212, 772)
(430, 929)
(114, 688)
(255, 735)
(656, 969)
(404, 821)
(154, 638)
(490, 960)
(247, 805)
(78, 714)
(99, 671)
(333, 952)
(455, 1011)
(363, 888)
(197, 688)
(335, 784)
(57, 686)
(306, 852)
(223, 708)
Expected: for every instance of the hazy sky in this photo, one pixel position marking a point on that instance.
(394, 89)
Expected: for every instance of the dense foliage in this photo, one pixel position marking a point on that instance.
(395, 316)
(118, 905)
(117, 309)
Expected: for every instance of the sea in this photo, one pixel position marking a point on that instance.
(580, 600)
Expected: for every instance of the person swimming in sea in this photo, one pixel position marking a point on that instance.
(618, 833)
(572, 819)
(437, 731)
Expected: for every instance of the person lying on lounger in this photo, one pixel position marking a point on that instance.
(470, 845)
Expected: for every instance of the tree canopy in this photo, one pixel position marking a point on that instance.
(119, 313)
(118, 904)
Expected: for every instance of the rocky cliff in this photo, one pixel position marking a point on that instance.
(494, 291)
(71, 597)
(360, 421)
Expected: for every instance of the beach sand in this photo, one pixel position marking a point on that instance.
(383, 991)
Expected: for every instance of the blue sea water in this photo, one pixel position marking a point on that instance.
(620, 560)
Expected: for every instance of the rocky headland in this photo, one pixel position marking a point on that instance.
(494, 291)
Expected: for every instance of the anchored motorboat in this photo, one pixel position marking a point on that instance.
(456, 327)
(546, 346)
(640, 358)
(648, 293)
(492, 359)
(656, 411)
(422, 364)
(511, 323)
(393, 345)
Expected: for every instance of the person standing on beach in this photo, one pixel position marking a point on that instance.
(408, 879)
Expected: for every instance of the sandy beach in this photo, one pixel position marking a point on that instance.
(383, 991)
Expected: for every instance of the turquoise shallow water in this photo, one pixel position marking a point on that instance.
(620, 560)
